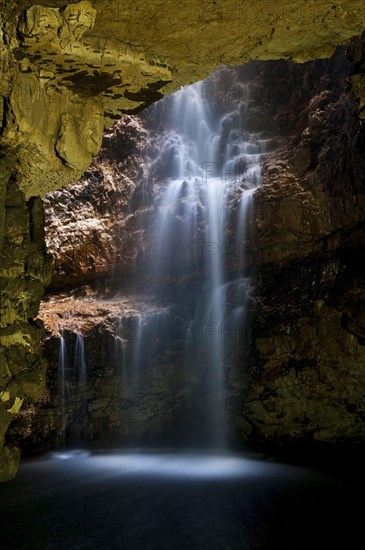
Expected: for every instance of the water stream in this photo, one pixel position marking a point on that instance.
(62, 367)
(72, 377)
(80, 371)
(201, 171)
(204, 177)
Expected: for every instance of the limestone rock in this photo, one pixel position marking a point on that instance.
(309, 385)
(9, 462)
(79, 139)
(40, 23)
(25, 270)
(90, 229)
(356, 54)
(60, 55)
(114, 413)
(301, 159)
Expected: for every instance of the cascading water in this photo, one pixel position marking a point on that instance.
(80, 372)
(201, 169)
(203, 177)
(140, 337)
(62, 367)
(195, 308)
(72, 386)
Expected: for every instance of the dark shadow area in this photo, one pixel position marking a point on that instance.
(154, 501)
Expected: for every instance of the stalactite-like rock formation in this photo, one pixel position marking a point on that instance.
(68, 71)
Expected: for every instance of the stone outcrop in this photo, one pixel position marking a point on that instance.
(313, 178)
(357, 79)
(70, 69)
(90, 224)
(307, 362)
(68, 65)
(308, 359)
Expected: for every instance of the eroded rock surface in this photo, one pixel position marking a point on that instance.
(69, 65)
(308, 359)
(90, 223)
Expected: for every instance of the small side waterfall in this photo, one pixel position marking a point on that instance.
(62, 368)
(81, 379)
(72, 377)
(141, 337)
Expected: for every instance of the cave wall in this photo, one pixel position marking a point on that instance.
(307, 362)
(25, 271)
(69, 70)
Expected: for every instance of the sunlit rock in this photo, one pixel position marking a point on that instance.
(80, 138)
(40, 23)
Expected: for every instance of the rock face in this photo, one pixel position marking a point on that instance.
(308, 360)
(69, 65)
(303, 380)
(96, 226)
(87, 222)
(25, 270)
(70, 69)
(357, 79)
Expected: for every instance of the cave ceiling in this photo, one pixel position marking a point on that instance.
(72, 69)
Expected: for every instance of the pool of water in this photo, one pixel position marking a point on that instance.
(166, 500)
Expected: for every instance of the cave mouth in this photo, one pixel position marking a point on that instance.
(151, 316)
(233, 206)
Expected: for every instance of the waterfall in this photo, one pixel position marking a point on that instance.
(72, 387)
(120, 348)
(203, 179)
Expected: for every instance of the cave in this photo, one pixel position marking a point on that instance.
(182, 283)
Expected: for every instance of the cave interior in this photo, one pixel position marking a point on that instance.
(182, 324)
